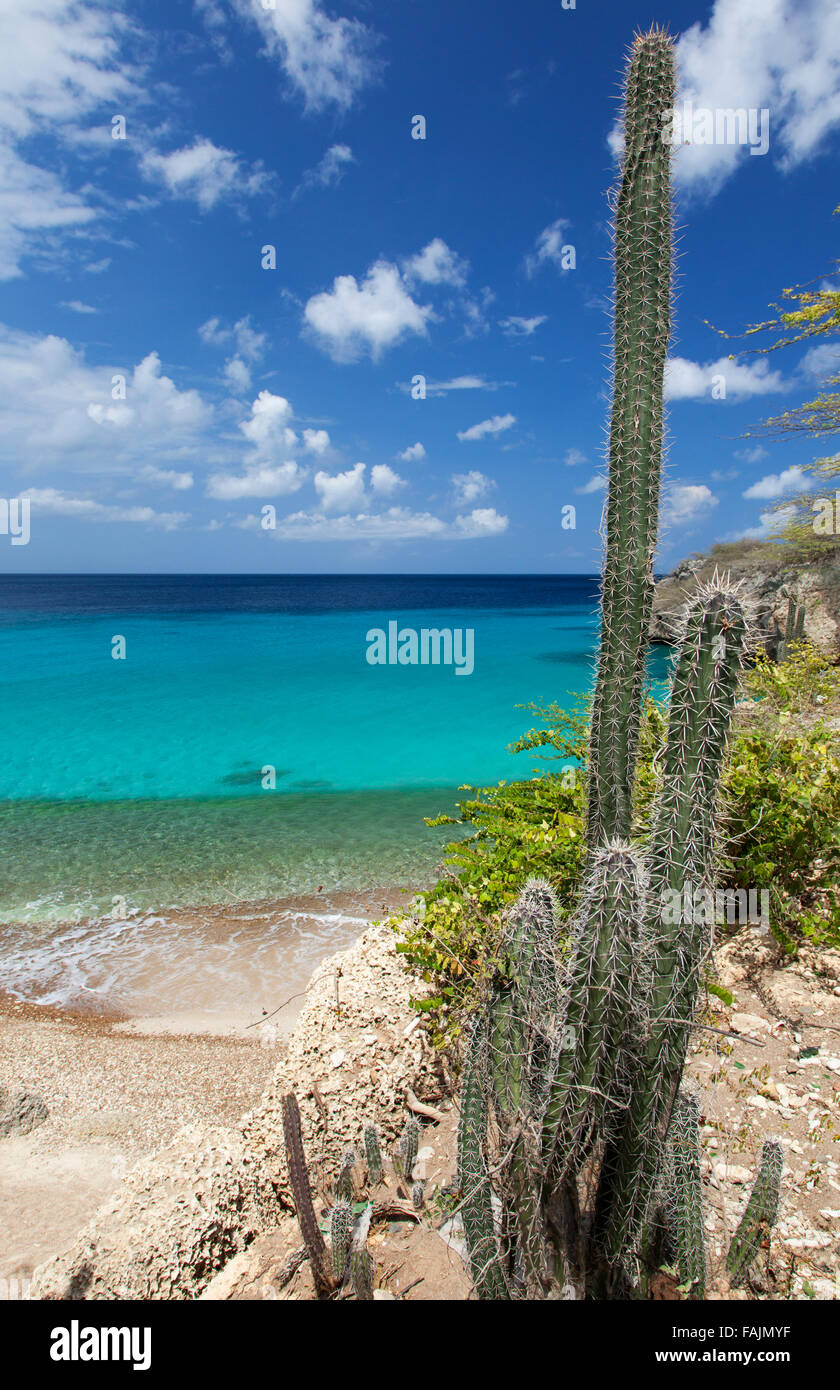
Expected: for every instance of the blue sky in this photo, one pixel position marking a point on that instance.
(159, 388)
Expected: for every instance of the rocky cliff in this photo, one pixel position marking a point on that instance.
(768, 577)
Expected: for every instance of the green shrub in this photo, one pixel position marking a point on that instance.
(782, 830)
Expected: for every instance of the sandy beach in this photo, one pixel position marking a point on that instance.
(118, 1085)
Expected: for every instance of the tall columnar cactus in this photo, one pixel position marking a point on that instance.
(643, 239)
(760, 1214)
(574, 1064)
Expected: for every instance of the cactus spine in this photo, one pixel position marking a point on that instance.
(760, 1214)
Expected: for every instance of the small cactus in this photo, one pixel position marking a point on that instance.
(373, 1155)
(685, 1199)
(341, 1231)
(418, 1196)
(361, 1273)
(760, 1214)
(344, 1183)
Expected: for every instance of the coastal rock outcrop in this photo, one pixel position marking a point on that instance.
(768, 578)
(23, 1113)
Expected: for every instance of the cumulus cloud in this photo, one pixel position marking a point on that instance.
(516, 327)
(548, 248)
(316, 441)
(686, 380)
(205, 172)
(77, 306)
(437, 264)
(268, 471)
(496, 425)
(328, 171)
(685, 502)
(821, 362)
(338, 491)
(259, 480)
(470, 486)
(783, 55)
(573, 457)
(167, 477)
(597, 483)
(56, 409)
(237, 375)
(326, 61)
(395, 524)
(351, 318)
(384, 480)
(415, 453)
(775, 485)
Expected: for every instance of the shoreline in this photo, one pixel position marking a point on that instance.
(119, 1086)
(218, 970)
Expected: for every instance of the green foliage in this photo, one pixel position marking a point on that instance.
(783, 797)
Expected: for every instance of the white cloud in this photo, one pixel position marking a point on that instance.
(328, 61)
(460, 383)
(237, 375)
(548, 248)
(205, 172)
(768, 522)
(33, 206)
(384, 480)
(415, 453)
(57, 410)
(573, 457)
(259, 480)
(775, 485)
(395, 524)
(686, 380)
(56, 503)
(821, 362)
(268, 428)
(686, 502)
(783, 55)
(470, 486)
(338, 491)
(316, 441)
(78, 307)
(60, 63)
(167, 477)
(754, 454)
(249, 344)
(516, 327)
(350, 319)
(597, 483)
(482, 521)
(496, 425)
(328, 171)
(437, 264)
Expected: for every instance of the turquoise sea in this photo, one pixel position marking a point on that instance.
(140, 781)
